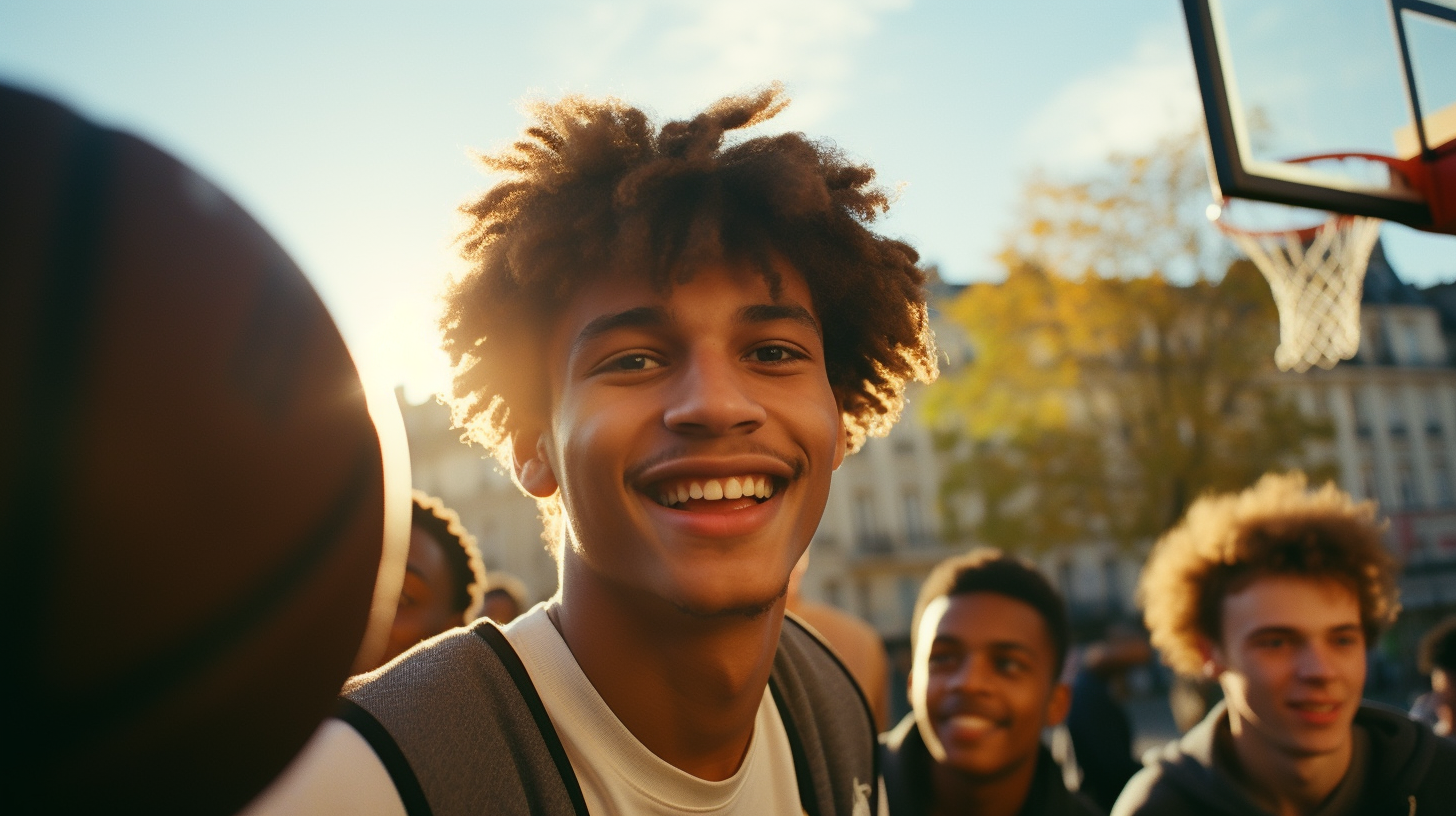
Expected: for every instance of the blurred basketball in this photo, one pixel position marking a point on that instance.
(191, 484)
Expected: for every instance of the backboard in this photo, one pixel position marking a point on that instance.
(1340, 105)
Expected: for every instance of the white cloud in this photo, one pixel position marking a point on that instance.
(1124, 108)
(682, 54)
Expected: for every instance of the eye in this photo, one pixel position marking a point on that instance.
(943, 661)
(774, 354)
(633, 362)
(1010, 666)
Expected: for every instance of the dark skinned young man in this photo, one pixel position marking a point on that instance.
(672, 341)
(989, 640)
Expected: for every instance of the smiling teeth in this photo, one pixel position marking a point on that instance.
(734, 487)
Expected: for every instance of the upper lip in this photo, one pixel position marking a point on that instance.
(713, 467)
(1314, 701)
(970, 709)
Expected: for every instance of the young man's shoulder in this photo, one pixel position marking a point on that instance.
(828, 719)
(1180, 778)
(1408, 762)
(462, 707)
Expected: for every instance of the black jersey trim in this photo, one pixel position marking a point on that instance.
(389, 753)
(496, 640)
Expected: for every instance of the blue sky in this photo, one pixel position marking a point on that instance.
(345, 127)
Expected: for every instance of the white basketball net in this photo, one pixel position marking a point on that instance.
(1316, 288)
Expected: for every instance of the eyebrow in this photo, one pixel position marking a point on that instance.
(769, 312)
(632, 318)
(995, 645)
(1290, 630)
(645, 316)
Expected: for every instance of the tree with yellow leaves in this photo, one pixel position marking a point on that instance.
(1101, 398)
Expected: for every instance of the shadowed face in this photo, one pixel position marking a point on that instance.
(1292, 662)
(692, 434)
(982, 683)
(426, 600)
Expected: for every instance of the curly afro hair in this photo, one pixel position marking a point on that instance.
(596, 189)
(1276, 527)
(467, 570)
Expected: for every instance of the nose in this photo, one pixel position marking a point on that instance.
(712, 395)
(1315, 662)
(972, 674)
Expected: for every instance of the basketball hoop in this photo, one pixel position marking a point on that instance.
(1317, 274)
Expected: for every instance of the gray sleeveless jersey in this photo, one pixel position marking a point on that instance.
(461, 729)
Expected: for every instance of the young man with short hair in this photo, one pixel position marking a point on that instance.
(989, 638)
(1278, 592)
(673, 342)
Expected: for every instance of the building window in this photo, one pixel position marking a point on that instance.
(867, 529)
(1412, 344)
(915, 528)
(1442, 476)
(909, 592)
(1368, 483)
(1362, 416)
(1113, 579)
(1408, 495)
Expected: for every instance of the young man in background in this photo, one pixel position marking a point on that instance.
(989, 639)
(444, 579)
(1278, 592)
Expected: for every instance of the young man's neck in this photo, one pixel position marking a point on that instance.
(687, 687)
(1288, 785)
(957, 794)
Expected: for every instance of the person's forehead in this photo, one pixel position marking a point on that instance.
(1293, 602)
(426, 553)
(710, 285)
(983, 618)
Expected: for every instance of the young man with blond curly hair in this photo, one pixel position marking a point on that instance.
(1278, 592)
(672, 339)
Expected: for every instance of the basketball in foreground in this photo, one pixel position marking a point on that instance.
(192, 489)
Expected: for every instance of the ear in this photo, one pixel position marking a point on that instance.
(1059, 704)
(1213, 658)
(532, 463)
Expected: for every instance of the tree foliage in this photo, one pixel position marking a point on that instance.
(1101, 398)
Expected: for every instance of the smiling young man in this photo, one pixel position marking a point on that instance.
(989, 639)
(672, 342)
(1278, 592)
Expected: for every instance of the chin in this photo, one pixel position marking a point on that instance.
(974, 767)
(730, 602)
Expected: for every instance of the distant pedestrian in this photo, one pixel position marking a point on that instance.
(1098, 723)
(505, 598)
(1438, 661)
(989, 638)
(1277, 592)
